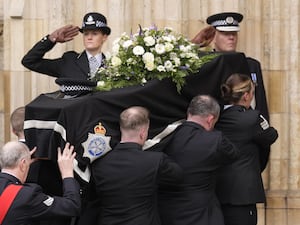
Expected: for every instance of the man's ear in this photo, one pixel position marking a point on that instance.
(144, 132)
(211, 121)
(15, 132)
(23, 165)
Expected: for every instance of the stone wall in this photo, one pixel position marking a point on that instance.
(269, 33)
(2, 111)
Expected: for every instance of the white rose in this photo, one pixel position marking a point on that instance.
(188, 48)
(183, 48)
(116, 61)
(168, 65)
(129, 61)
(160, 49)
(100, 83)
(166, 38)
(169, 47)
(173, 55)
(191, 55)
(161, 68)
(138, 50)
(177, 61)
(183, 55)
(194, 56)
(127, 43)
(172, 37)
(149, 41)
(148, 57)
(149, 66)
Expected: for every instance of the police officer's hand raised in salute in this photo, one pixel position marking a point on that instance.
(205, 36)
(64, 34)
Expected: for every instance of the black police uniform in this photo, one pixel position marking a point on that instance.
(31, 204)
(229, 21)
(239, 186)
(72, 68)
(72, 73)
(71, 65)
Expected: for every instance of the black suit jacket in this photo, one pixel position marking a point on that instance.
(31, 204)
(70, 65)
(199, 153)
(240, 183)
(126, 181)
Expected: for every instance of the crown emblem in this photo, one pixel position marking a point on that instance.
(99, 129)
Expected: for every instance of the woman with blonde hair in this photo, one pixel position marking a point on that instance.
(239, 185)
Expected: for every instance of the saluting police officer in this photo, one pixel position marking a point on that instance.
(223, 31)
(73, 70)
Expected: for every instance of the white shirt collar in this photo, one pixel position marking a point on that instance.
(98, 56)
(227, 106)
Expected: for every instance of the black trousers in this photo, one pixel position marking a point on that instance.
(240, 214)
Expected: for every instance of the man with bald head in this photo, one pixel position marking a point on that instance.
(127, 178)
(200, 151)
(26, 203)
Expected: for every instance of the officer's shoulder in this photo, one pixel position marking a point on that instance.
(252, 60)
(30, 189)
(252, 113)
(215, 132)
(155, 154)
(72, 54)
(32, 185)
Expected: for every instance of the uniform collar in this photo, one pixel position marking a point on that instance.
(193, 124)
(235, 107)
(22, 140)
(227, 106)
(10, 177)
(131, 145)
(98, 56)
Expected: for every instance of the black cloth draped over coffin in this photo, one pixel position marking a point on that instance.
(77, 117)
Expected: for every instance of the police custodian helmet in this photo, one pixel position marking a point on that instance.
(95, 21)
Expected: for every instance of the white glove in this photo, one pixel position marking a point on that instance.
(264, 124)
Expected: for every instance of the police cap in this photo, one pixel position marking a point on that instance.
(227, 21)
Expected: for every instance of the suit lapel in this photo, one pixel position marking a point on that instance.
(83, 63)
(103, 60)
